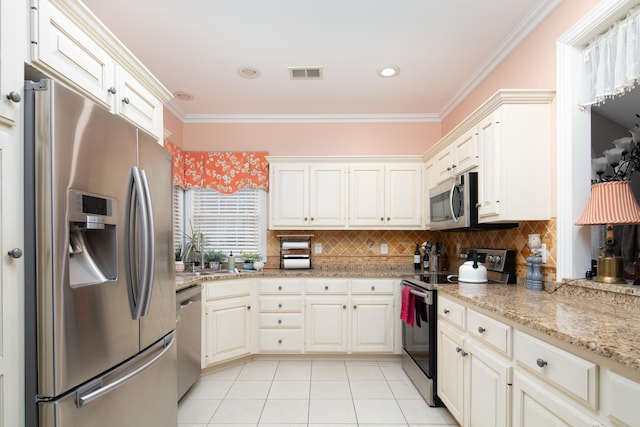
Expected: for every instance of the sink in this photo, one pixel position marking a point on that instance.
(209, 273)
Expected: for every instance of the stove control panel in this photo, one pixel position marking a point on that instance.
(496, 260)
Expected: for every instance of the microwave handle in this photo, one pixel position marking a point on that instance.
(453, 214)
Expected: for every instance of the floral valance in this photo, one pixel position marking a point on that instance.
(612, 62)
(224, 172)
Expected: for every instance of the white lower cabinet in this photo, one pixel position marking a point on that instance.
(535, 405)
(326, 324)
(372, 324)
(489, 387)
(281, 319)
(474, 382)
(227, 329)
(450, 369)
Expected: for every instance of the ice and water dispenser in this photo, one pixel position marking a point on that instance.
(93, 245)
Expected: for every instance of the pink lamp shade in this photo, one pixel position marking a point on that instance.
(611, 202)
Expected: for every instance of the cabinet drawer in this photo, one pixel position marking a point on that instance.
(373, 286)
(451, 311)
(278, 303)
(576, 376)
(226, 289)
(326, 286)
(281, 340)
(280, 287)
(281, 320)
(490, 331)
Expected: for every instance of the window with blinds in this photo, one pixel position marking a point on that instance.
(178, 216)
(230, 222)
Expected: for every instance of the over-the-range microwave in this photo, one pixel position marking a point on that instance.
(453, 205)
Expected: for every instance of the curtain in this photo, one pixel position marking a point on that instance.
(224, 172)
(612, 62)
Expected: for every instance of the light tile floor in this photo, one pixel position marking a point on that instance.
(316, 393)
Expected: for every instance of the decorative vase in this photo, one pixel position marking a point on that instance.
(258, 265)
(179, 266)
(214, 265)
(247, 266)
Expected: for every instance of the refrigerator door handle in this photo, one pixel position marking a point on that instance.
(137, 278)
(85, 396)
(150, 243)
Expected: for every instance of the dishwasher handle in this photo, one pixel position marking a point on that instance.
(189, 301)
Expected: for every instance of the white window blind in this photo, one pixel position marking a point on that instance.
(178, 217)
(230, 222)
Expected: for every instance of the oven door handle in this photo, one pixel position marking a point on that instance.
(418, 293)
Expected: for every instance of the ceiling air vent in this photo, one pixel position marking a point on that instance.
(305, 73)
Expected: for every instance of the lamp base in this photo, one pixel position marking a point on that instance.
(610, 270)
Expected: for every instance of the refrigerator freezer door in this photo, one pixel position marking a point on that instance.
(156, 164)
(83, 329)
(140, 393)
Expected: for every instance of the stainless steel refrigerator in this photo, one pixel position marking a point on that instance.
(100, 296)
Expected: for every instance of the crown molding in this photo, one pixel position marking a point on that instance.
(508, 44)
(313, 118)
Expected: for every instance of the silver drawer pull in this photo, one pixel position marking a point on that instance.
(481, 329)
(446, 311)
(541, 362)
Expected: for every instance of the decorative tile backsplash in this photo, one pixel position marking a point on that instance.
(357, 247)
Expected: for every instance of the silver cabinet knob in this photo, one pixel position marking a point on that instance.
(112, 90)
(279, 321)
(446, 311)
(248, 307)
(14, 96)
(541, 362)
(464, 353)
(481, 329)
(279, 341)
(382, 219)
(311, 218)
(15, 253)
(355, 306)
(458, 349)
(326, 288)
(373, 288)
(279, 288)
(125, 100)
(279, 305)
(344, 307)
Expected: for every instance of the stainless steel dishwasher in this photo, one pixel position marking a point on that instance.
(188, 326)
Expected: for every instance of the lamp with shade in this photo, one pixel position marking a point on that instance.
(610, 203)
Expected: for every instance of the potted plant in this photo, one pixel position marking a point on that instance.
(214, 258)
(179, 266)
(193, 244)
(249, 259)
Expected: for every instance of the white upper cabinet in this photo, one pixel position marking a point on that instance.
(508, 140)
(514, 170)
(457, 157)
(11, 60)
(335, 193)
(68, 43)
(308, 195)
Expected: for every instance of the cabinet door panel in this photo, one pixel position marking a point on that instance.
(466, 151)
(326, 324)
(227, 329)
(138, 105)
(328, 195)
(490, 182)
(535, 406)
(372, 324)
(63, 49)
(403, 195)
(450, 366)
(366, 196)
(289, 196)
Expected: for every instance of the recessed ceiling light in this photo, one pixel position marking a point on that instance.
(390, 71)
(183, 96)
(249, 72)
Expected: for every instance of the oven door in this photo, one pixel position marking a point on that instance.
(419, 341)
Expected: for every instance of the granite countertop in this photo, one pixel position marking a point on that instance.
(580, 314)
(600, 318)
(184, 280)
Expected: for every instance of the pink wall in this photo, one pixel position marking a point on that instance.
(314, 139)
(175, 126)
(531, 65)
